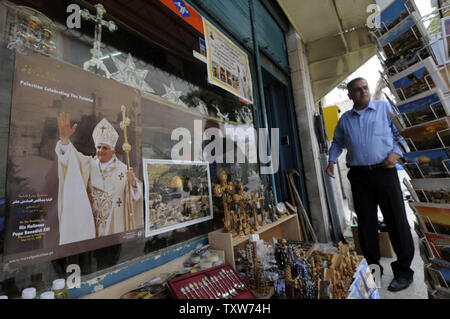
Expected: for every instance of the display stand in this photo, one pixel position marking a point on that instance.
(285, 228)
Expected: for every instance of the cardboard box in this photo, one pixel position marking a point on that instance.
(386, 249)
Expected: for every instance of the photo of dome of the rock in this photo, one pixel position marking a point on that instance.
(177, 195)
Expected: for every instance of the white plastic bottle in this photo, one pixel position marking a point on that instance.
(47, 295)
(59, 288)
(29, 293)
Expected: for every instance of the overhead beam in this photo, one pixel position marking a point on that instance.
(326, 76)
(339, 23)
(333, 46)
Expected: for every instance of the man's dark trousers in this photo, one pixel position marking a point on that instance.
(381, 186)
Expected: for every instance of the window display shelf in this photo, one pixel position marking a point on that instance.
(285, 228)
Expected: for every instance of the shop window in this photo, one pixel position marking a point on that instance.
(174, 94)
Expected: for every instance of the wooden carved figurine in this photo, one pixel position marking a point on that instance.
(222, 190)
(238, 220)
(272, 208)
(234, 213)
(255, 212)
(243, 199)
(261, 205)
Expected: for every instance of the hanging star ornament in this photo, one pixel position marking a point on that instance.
(128, 74)
(173, 95)
(202, 108)
(223, 117)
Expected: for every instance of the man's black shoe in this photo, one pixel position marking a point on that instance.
(399, 284)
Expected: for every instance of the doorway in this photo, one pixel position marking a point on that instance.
(281, 115)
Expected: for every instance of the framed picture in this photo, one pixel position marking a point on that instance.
(404, 45)
(421, 77)
(428, 164)
(424, 108)
(177, 194)
(394, 14)
(434, 134)
(432, 190)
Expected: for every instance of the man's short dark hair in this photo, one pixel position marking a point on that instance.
(349, 85)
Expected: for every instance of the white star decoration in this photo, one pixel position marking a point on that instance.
(172, 95)
(202, 108)
(220, 115)
(128, 74)
(244, 116)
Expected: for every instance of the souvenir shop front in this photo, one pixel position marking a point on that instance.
(171, 94)
(134, 160)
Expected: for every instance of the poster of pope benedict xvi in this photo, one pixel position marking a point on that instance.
(94, 192)
(74, 163)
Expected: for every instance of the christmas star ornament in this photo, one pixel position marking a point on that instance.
(201, 107)
(220, 115)
(173, 95)
(128, 74)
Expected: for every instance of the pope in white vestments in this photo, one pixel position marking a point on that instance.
(93, 193)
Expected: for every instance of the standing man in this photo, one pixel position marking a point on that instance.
(369, 136)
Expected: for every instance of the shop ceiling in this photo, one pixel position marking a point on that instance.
(335, 36)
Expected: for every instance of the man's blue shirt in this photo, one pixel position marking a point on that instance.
(368, 135)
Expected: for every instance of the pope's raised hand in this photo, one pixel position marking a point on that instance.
(64, 128)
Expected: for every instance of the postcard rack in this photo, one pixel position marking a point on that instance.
(416, 65)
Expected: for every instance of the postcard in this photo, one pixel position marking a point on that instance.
(446, 36)
(421, 77)
(404, 45)
(435, 216)
(394, 14)
(430, 135)
(428, 163)
(411, 189)
(439, 243)
(444, 268)
(432, 190)
(425, 108)
(178, 194)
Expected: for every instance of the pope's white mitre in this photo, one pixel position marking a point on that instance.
(104, 133)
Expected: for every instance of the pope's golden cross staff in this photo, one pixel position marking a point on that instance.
(129, 218)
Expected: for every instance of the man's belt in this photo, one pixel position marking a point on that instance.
(367, 167)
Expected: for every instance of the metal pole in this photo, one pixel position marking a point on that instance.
(261, 87)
